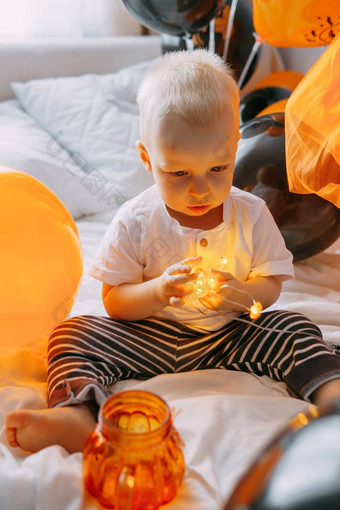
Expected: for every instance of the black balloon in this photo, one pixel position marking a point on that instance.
(308, 223)
(177, 17)
(298, 470)
(257, 100)
(241, 41)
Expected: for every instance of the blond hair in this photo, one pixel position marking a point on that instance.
(195, 86)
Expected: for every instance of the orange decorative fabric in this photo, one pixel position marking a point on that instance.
(312, 126)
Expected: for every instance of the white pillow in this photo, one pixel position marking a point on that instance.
(96, 118)
(26, 146)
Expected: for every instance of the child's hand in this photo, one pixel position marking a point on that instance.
(231, 295)
(172, 283)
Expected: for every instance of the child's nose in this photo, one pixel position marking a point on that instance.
(200, 188)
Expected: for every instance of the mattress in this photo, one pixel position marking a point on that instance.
(225, 418)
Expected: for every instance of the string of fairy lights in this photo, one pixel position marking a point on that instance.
(207, 283)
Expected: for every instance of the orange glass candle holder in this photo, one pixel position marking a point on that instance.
(134, 459)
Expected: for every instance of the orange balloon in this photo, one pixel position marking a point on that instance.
(287, 79)
(40, 259)
(297, 23)
(278, 106)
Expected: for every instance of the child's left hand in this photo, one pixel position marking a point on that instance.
(231, 295)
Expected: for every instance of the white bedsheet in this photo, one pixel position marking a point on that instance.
(225, 417)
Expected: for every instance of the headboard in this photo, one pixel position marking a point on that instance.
(22, 61)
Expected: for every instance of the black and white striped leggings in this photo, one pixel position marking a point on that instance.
(87, 354)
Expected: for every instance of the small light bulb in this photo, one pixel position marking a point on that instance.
(303, 419)
(212, 284)
(313, 411)
(255, 310)
(223, 261)
(198, 292)
(130, 481)
(200, 283)
(190, 284)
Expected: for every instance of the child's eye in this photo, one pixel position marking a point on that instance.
(180, 173)
(217, 169)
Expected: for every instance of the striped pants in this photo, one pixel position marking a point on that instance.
(87, 354)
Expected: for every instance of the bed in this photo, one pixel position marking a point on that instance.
(87, 157)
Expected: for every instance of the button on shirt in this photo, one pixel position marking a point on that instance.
(143, 240)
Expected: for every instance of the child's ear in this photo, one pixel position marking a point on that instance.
(144, 156)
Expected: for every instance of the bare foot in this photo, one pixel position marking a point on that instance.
(34, 430)
(327, 393)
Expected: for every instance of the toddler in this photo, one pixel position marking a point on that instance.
(181, 265)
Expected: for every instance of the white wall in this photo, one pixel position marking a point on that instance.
(72, 19)
(300, 59)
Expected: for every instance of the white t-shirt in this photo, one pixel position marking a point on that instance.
(143, 240)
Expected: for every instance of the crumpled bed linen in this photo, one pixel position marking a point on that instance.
(225, 418)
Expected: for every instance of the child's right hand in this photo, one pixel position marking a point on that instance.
(172, 287)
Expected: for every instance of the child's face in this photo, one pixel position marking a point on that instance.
(193, 167)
